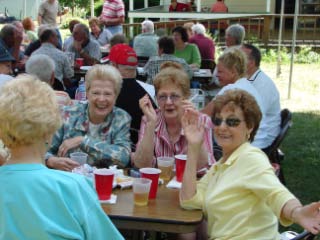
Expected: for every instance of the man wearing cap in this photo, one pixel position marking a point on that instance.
(11, 39)
(112, 15)
(5, 66)
(124, 58)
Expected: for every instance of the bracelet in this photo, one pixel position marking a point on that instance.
(293, 210)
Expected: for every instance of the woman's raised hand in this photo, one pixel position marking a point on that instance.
(147, 109)
(308, 217)
(193, 127)
(187, 105)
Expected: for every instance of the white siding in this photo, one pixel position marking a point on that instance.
(239, 6)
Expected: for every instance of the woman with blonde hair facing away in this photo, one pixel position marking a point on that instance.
(96, 127)
(37, 202)
(240, 196)
(161, 130)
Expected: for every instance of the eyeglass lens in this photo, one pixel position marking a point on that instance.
(231, 122)
(173, 98)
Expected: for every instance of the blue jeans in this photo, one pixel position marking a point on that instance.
(115, 29)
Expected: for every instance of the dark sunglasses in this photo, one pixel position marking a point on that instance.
(231, 122)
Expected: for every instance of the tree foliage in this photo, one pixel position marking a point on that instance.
(75, 3)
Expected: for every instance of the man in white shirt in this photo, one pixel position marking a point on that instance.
(266, 89)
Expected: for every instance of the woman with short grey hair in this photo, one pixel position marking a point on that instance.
(235, 35)
(95, 127)
(198, 28)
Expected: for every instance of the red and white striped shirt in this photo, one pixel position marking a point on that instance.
(163, 146)
(113, 9)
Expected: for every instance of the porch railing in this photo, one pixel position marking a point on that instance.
(262, 29)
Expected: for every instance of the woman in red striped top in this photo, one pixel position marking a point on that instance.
(161, 131)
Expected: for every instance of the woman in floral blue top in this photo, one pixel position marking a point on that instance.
(96, 127)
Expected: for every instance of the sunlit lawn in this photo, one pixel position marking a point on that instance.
(302, 145)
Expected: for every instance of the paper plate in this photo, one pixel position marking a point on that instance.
(85, 68)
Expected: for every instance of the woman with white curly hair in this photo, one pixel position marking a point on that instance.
(37, 202)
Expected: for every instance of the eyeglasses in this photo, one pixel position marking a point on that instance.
(173, 98)
(99, 94)
(230, 122)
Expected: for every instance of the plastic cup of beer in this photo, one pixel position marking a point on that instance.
(152, 174)
(79, 157)
(79, 61)
(141, 189)
(180, 166)
(165, 164)
(103, 179)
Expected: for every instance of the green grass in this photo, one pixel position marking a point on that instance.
(301, 146)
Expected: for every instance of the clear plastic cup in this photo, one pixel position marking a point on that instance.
(71, 56)
(79, 157)
(165, 164)
(141, 189)
(152, 174)
(103, 179)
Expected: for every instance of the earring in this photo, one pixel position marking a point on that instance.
(248, 136)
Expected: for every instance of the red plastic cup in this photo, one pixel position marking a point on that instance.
(79, 61)
(180, 166)
(103, 181)
(153, 174)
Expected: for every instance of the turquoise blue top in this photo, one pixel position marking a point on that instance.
(41, 203)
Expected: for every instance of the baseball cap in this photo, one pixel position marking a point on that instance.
(123, 54)
(5, 55)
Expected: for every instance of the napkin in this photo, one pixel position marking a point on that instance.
(174, 183)
(112, 200)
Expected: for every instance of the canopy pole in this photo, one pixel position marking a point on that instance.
(25, 9)
(295, 26)
(280, 39)
(268, 6)
(131, 7)
(92, 8)
(198, 6)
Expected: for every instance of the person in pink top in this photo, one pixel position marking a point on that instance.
(205, 44)
(161, 130)
(112, 15)
(219, 7)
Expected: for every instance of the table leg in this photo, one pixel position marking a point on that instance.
(137, 235)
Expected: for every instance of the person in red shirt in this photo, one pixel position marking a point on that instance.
(219, 7)
(206, 45)
(178, 7)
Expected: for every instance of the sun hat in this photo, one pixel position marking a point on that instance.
(5, 55)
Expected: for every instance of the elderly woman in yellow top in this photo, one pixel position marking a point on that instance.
(240, 196)
(37, 202)
(96, 127)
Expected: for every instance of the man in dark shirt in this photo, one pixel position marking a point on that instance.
(124, 58)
